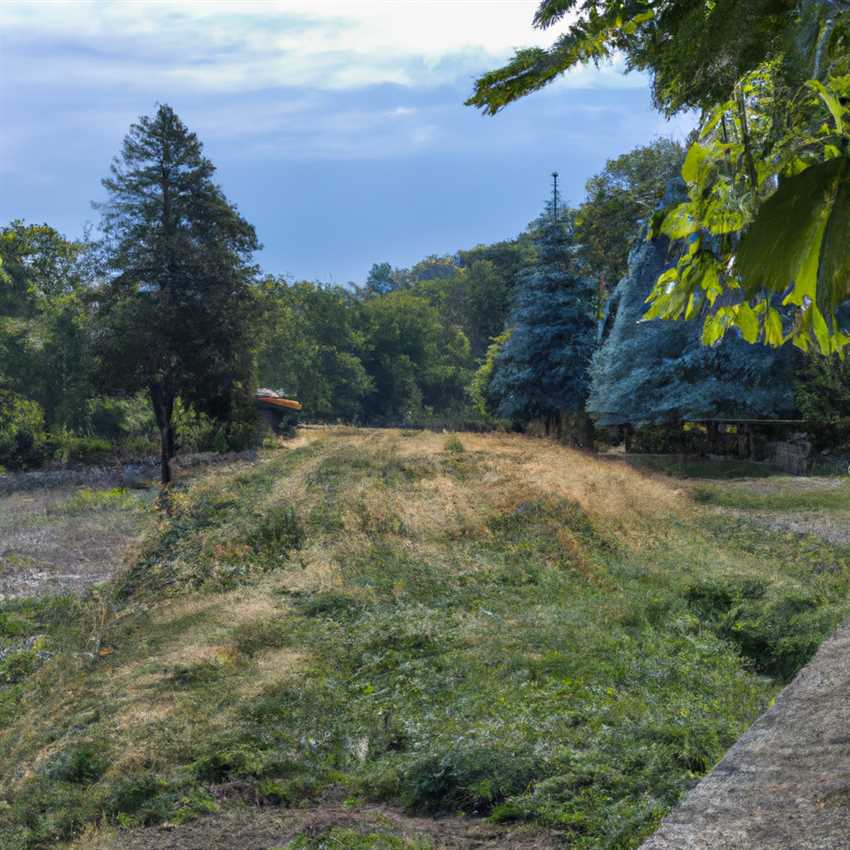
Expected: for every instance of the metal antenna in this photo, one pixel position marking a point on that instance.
(555, 199)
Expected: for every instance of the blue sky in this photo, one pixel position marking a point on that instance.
(337, 126)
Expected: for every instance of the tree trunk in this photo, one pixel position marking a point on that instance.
(163, 408)
(586, 431)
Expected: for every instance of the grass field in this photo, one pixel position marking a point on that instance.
(473, 625)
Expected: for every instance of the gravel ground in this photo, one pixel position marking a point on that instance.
(833, 526)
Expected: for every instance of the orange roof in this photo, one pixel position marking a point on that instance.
(288, 403)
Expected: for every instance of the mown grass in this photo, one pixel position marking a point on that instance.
(513, 631)
(683, 466)
(349, 839)
(787, 495)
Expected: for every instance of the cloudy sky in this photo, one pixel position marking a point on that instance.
(337, 126)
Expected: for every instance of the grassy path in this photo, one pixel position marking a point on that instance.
(485, 627)
(786, 782)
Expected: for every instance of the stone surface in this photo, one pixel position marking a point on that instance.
(785, 785)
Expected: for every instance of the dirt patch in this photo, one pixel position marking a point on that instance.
(47, 548)
(262, 829)
(833, 527)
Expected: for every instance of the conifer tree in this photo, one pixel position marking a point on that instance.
(175, 309)
(660, 372)
(541, 370)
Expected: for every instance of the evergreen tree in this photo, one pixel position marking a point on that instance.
(657, 371)
(176, 307)
(541, 370)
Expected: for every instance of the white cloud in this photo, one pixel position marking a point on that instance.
(229, 46)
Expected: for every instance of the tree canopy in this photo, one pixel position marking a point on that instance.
(768, 178)
(619, 200)
(174, 315)
(659, 372)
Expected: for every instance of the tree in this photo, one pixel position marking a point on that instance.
(541, 370)
(311, 345)
(769, 179)
(383, 278)
(417, 363)
(479, 387)
(473, 298)
(766, 217)
(659, 372)
(620, 199)
(695, 52)
(45, 321)
(174, 314)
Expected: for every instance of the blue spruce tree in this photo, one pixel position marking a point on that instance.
(541, 370)
(660, 372)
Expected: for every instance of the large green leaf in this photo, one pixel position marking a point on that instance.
(801, 237)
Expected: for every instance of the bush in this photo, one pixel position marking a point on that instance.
(121, 420)
(79, 764)
(453, 445)
(23, 439)
(72, 449)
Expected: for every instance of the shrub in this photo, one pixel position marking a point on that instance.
(453, 445)
(73, 449)
(23, 439)
(121, 420)
(279, 532)
(79, 764)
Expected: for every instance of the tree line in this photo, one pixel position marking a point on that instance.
(159, 331)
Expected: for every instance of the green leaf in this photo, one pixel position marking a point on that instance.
(801, 236)
(833, 104)
(747, 322)
(821, 331)
(773, 328)
(694, 165)
(680, 222)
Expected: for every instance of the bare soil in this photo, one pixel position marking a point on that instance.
(46, 549)
(263, 829)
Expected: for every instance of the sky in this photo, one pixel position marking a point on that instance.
(338, 127)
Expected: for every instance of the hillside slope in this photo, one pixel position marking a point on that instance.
(485, 626)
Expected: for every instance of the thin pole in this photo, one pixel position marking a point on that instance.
(555, 199)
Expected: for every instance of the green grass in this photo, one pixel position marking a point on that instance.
(377, 616)
(349, 839)
(786, 497)
(692, 467)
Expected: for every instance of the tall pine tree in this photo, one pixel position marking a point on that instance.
(541, 370)
(175, 310)
(660, 372)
